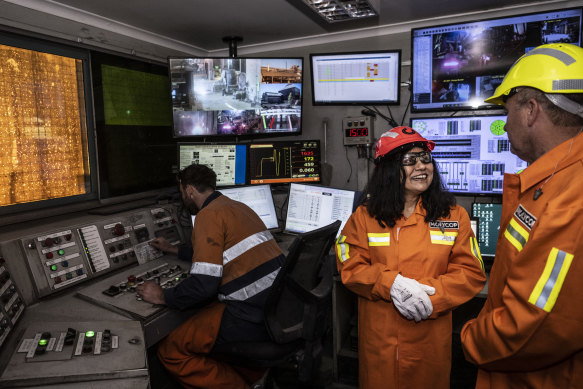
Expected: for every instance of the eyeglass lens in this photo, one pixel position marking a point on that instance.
(411, 158)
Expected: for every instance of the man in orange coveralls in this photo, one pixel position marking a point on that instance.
(529, 333)
(407, 241)
(235, 258)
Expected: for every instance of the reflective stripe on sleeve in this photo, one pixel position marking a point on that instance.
(445, 238)
(516, 234)
(207, 269)
(476, 251)
(252, 289)
(342, 248)
(379, 239)
(246, 244)
(545, 293)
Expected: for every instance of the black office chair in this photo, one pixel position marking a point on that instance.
(297, 309)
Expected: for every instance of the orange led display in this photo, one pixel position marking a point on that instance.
(43, 133)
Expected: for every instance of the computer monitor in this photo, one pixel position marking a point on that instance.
(457, 66)
(357, 78)
(311, 207)
(488, 216)
(228, 96)
(227, 160)
(472, 152)
(259, 199)
(284, 162)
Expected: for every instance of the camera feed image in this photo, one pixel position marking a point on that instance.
(236, 96)
(458, 66)
(472, 62)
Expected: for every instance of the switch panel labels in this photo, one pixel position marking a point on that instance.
(94, 247)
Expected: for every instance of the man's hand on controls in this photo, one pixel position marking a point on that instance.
(151, 292)
(164, 245)
(411, 298)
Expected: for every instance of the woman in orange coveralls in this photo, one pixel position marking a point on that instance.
(411, 256)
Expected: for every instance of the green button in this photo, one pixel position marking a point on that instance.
(53, 267)
(61, 252)
(89, 334)
(42, 342)
(69, 276)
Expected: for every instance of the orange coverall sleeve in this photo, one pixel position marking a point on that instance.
(371, 281)
(465, 275)
(515, 331)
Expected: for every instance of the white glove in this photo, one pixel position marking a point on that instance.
(410, 298)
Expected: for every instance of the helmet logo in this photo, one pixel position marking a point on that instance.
(408, 131)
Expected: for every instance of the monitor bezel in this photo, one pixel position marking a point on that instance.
(357, 102)
(483, 106)
(226, 137)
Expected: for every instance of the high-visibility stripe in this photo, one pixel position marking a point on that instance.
(516, 234)
(342, 248)
(379, 239)
(252, 289)
(546, 291)
(207, 269)
(446, 238)
(246, 244)
(476, 251)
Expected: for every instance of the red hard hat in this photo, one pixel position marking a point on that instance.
(396, 137)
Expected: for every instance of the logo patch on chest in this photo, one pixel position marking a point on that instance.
(442, 225)
(525, 217)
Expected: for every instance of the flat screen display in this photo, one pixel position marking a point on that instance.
(488, 226)
(259, 199)
(472, 152)
(227, 160)
(236, 96)
(311, 207)
(356, 78)
(457, 66)
(284, 161)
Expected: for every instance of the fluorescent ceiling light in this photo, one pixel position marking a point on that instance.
(340, 10)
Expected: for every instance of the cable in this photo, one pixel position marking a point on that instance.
(406, 110)
(349, 164)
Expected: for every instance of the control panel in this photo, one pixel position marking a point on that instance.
(64, 352)
(118, 292)
(11, 302)
(67, 254)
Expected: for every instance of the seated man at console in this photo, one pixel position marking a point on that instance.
(233, 267)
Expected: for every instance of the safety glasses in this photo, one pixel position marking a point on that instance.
(410, 159)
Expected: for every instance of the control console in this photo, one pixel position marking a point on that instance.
(11, 302)
(65, 352)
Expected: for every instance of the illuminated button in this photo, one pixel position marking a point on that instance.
(89, 334)
(53, 267)
(61, 252)
(131, 280)
(49, 255)
(119, 229)
(43, 342)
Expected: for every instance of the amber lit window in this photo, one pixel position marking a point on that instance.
(43, 134)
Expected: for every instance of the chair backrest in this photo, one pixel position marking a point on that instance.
(302, 286)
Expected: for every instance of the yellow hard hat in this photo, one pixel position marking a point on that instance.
(552, 68)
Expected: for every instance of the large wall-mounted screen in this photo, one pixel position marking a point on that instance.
(213, 97)
(472, 152)
(457, 66)
(356, 78)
